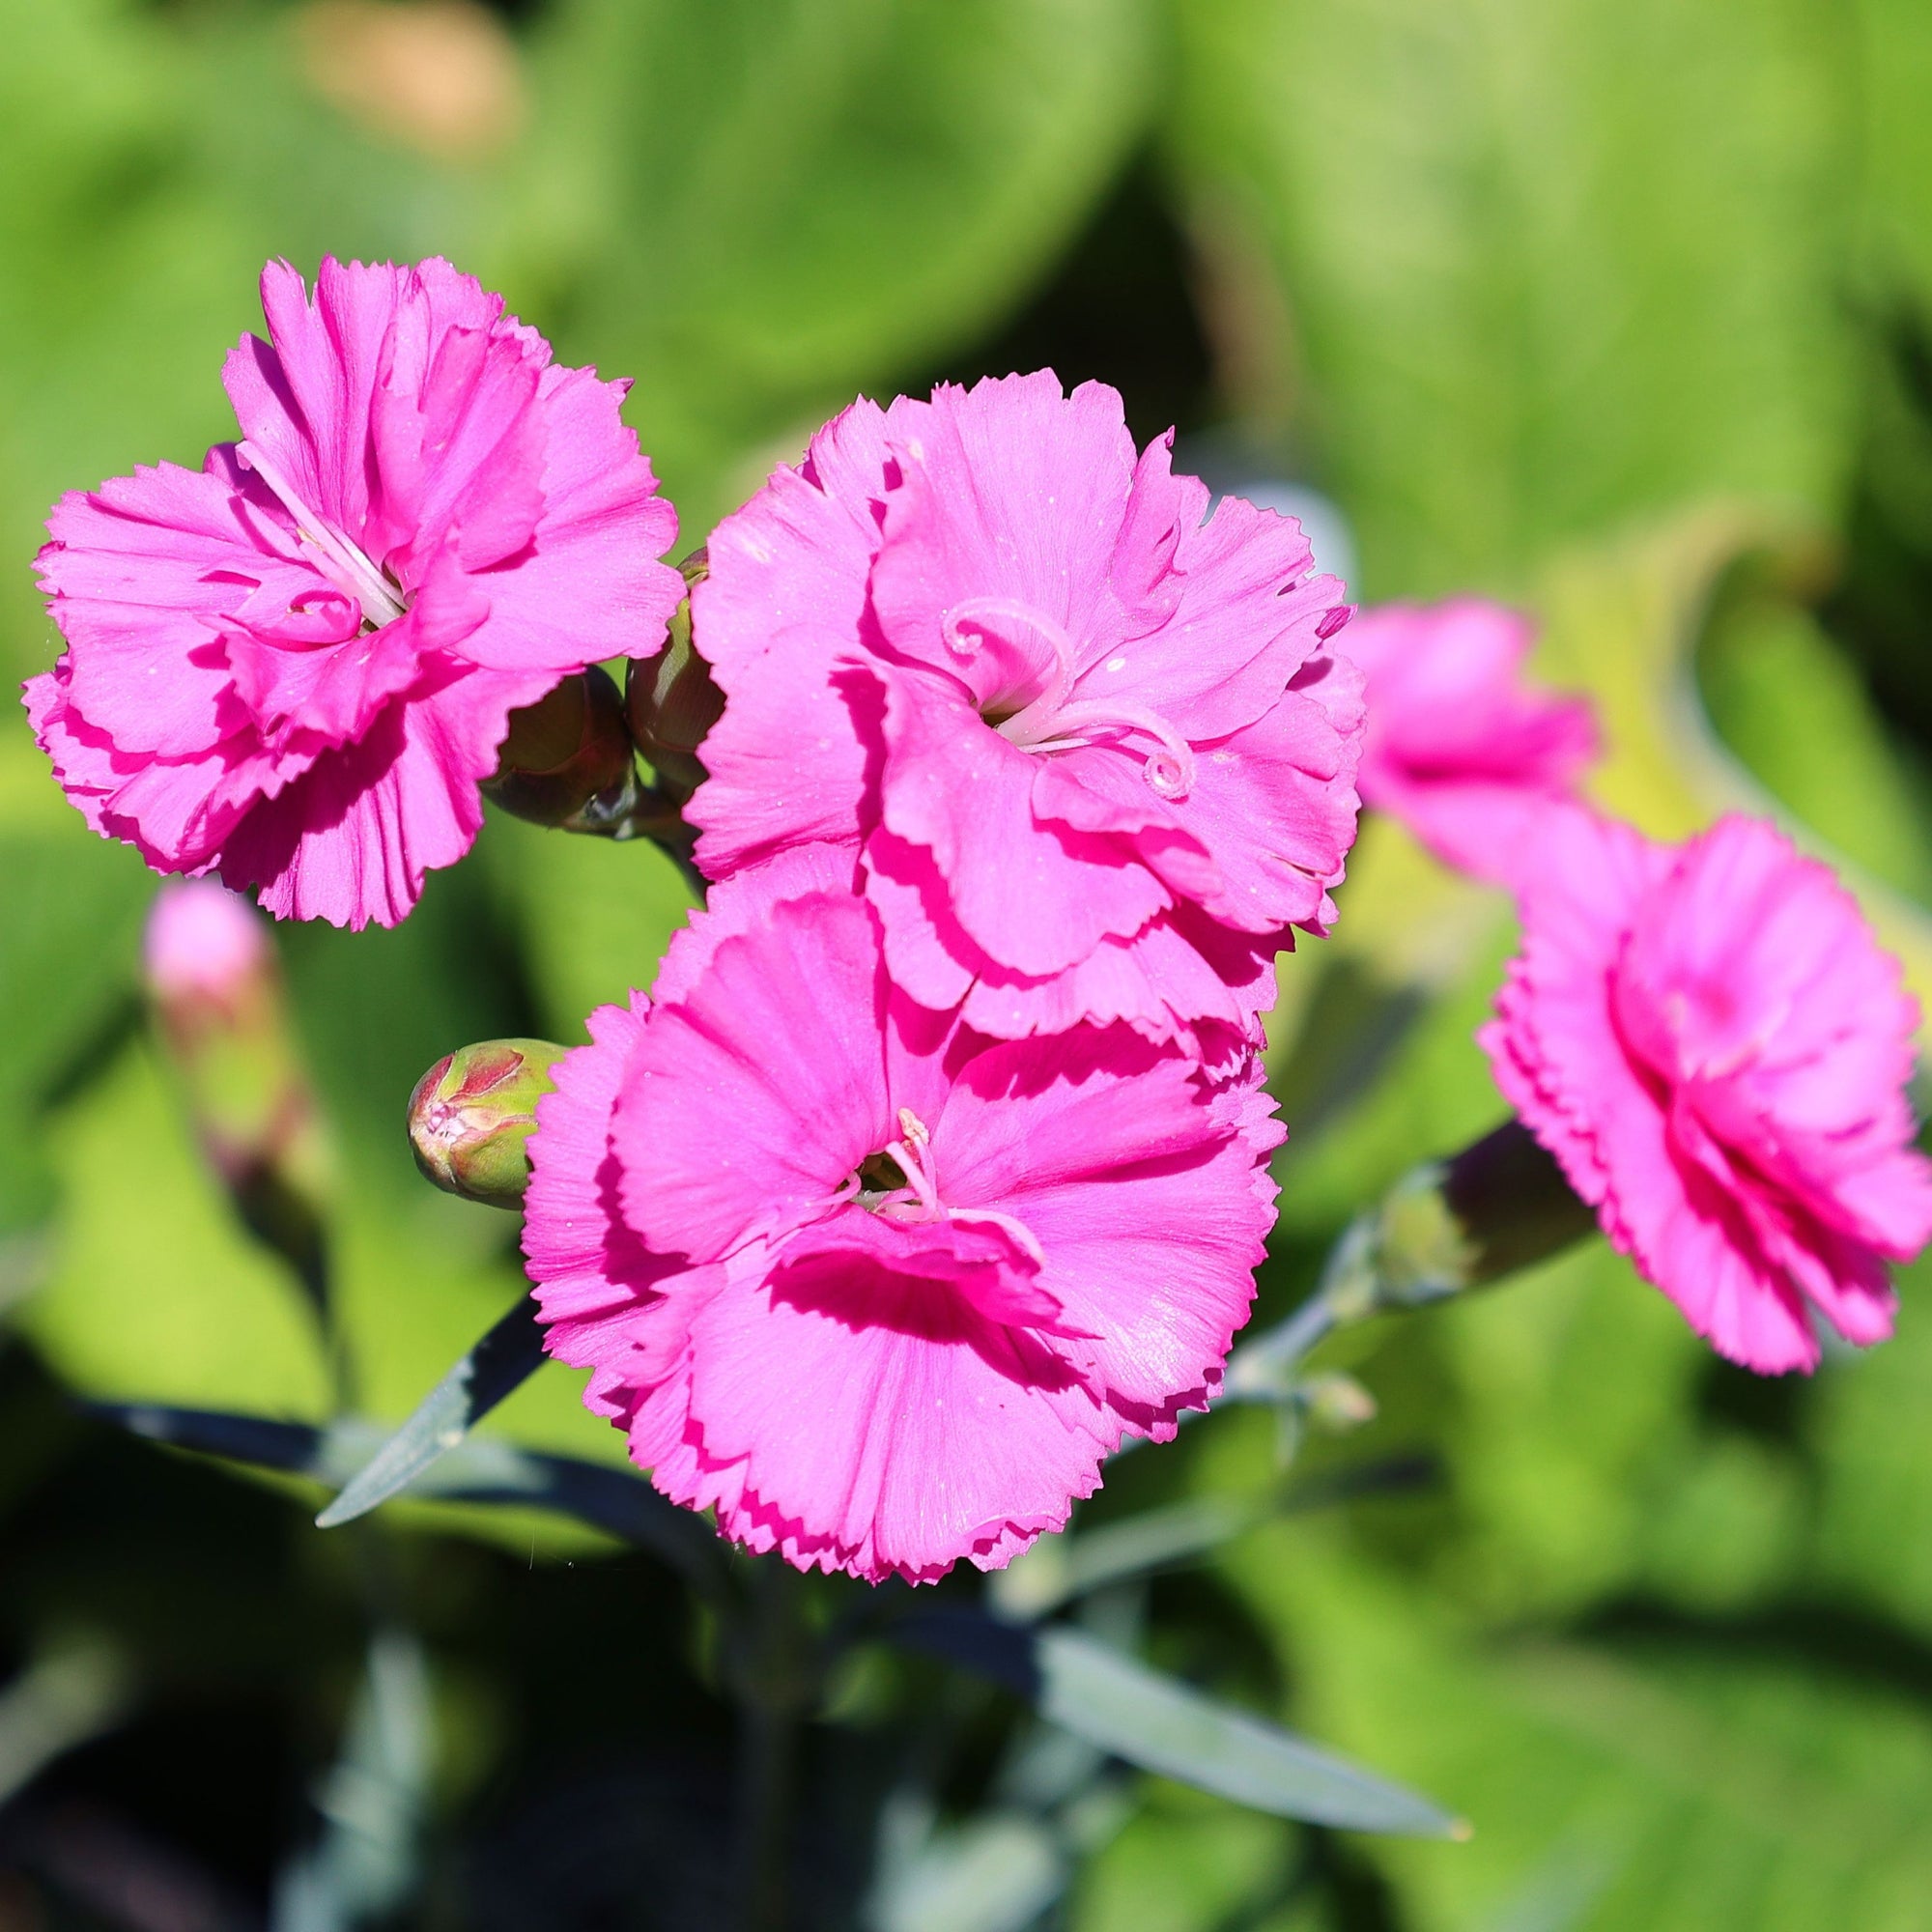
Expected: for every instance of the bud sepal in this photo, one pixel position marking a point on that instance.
(671, 700)
(568, 761)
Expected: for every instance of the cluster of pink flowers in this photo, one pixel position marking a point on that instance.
(936, 1162)
(1707, 1036)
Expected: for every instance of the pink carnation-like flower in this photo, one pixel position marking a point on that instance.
(1461, 747)
(880, 1291)
(1098, 753)
(293, 666)
(1711, 1042)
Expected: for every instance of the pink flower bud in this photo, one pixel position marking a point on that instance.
(222, 1015)
(473, 1112)
(203, 942)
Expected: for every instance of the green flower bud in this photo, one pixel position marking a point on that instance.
(567, 761)
(671, 700)
(1500, 1204)
(473, 1112)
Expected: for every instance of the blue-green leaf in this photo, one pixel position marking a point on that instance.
(502, 1361)
(480, 1469)
(1155, 1722)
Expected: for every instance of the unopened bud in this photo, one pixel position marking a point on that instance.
(1336, 1401)
(472, 1113)
(221, 1012)
(567, 761)
(672, 700)
(203, 949)
(1500, 1204)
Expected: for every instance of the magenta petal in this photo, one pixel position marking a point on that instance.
(1012, 490)
(771, 1035)
(877, 1428)
(607, 1304)
(329, 696)
(783, 601)
(140, 577)
(1178, 978)
(789, 571)
(982, 1259)
(1246, 616)
(1291, 772)
(304, 395)
(786, 765)
(1036, 897)
(350, 840)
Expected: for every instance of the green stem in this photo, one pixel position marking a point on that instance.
(656, 816)
(1500, 1204)
(772, 1675)
(767, 1781)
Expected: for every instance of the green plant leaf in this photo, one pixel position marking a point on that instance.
(593, 917)
(1668, 1776)
(994, 1873)
(1135, 1713)
(1152, 1721)
(479, 1469)
(501, 1362)
(367, 1861)
(756, 206)
(1894, 53)
(1546, 263)
(1058, 1568)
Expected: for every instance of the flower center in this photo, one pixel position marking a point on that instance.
(900, 1180)
(346, 566)
(1050, 717)
(901, 1184)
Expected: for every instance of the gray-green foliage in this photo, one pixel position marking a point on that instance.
(1507, 276)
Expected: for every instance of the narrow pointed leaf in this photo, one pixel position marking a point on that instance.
(502, 1361)
(478, 1470)
(1163, 1726)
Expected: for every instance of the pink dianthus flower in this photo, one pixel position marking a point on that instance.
(1712, 1044)
(1098, 753)
(293, 666)
(1461, 747)
(880, 1291)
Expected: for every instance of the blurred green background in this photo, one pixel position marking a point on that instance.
(1619, 308)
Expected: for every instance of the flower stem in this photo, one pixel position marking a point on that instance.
(1500, 1204)
(772, 1675)
(767, 1778)
(657, 817)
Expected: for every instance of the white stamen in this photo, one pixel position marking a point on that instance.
(914, 1155)
(919, 1199)
(353, 572)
